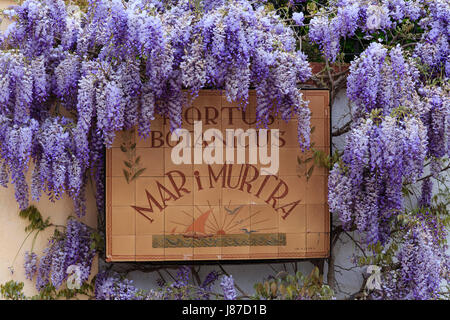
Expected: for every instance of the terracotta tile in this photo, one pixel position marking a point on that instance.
(316, 190)
(178, 254)
(207, 195)
(118, 157)
(232, 225)
(152, 159)
(295, 246)
(289, 164)
(187, 169)
(233, 197)
(263, 219)
(156, 139)
(317, 242)
(213, 153)
(150, 185)
(289, 133)
(239, 158)
(316, 105)
(231, 252)
(152, 141)
(214, 219)
(263, 188)
(145, 249)
(123, 245)
(174, 137)
(293, 188)
(123, 137)
(295, 222)
(123, 193)
(182, 188)
(310, 215)
(307, 161)
(236, 218)
(208, 244)
(263, 252)
(319, 132)
(145, 226)
(123, 221)
(274, 124)
(177, 219)
(209, 248)
(317, 218)
(204, 171)
(235, 124)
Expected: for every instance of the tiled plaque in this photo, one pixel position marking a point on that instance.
(158, 210)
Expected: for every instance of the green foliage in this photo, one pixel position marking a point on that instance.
(294, 287)
(132, 169)
(12, 290)
(318, 158)
(33, 215)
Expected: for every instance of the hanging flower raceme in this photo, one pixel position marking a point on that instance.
(344, 17)
(110, 286)
(72, 248)
(382, 79)
(227, 285)
(433, 50)
(422, 261)
(30, 264)
(380, 154)
(437, 120)
(38, 26)
(119, 64)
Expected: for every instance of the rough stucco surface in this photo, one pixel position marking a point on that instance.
(12, 232)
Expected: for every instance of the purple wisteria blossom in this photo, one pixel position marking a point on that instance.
(227, 285)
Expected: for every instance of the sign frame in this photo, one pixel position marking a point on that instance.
(114, 258)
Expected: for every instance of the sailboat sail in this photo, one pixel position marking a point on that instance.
(199, 224)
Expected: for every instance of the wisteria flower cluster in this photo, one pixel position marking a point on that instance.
(112, 286)
(383, 79)
(68, 253)
(227, 284)
(344, 18)
(421, 263)
(366, 188)
(400, 126)
(119, 64)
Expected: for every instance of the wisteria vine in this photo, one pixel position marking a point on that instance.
(117, 66)
(72, 78)
(400, 131)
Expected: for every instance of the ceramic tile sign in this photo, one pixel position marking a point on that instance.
(221, 188)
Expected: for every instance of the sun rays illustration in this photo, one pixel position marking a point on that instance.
(221, 221)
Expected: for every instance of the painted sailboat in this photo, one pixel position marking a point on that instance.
(197, 229)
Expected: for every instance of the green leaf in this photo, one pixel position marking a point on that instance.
(309, 173)
(126, 175)
(123, 149)
(311, 7)
(33, 215)
(138, 173)
(138, 158)
(128, 164)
